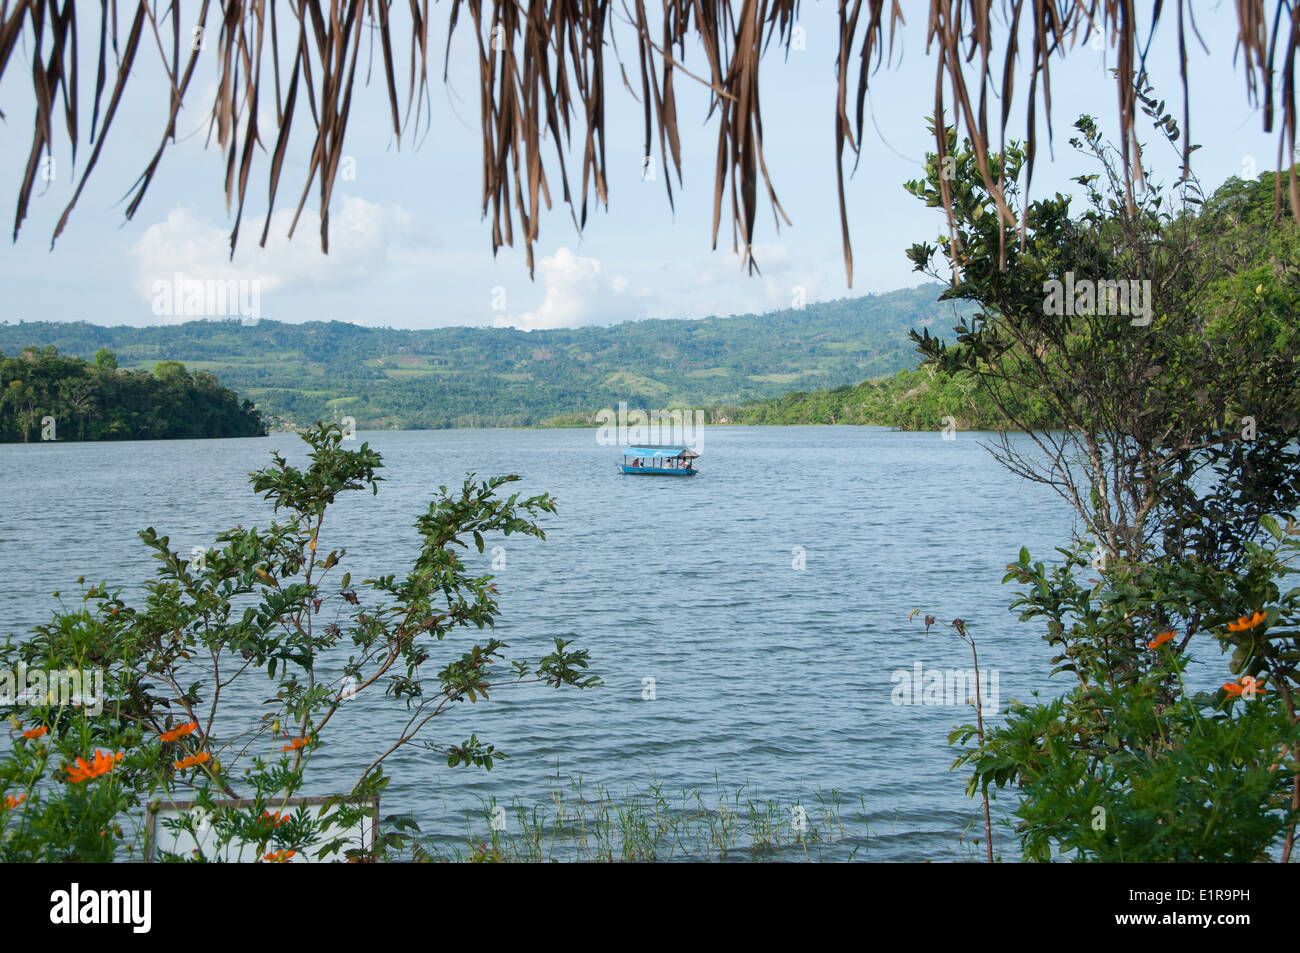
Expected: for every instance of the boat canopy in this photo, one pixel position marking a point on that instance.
(661, 453)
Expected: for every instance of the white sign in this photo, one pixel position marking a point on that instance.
(167, 838)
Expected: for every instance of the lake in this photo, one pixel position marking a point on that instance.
(766, 677)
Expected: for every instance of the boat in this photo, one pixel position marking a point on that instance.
(657, 460)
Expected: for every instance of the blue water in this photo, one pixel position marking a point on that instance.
(765, 675)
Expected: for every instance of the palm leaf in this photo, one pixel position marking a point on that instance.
(542, 72)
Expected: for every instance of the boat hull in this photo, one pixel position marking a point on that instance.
(656, 471)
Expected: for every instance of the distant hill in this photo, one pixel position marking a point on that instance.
(451, 377)
(920, 399)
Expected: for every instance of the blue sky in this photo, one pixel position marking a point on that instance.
(410, 248)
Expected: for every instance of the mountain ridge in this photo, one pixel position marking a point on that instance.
(486, 376)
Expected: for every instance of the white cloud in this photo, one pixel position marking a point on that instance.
(364, 237)
(723, 284)
(576, 293)
(771, 259)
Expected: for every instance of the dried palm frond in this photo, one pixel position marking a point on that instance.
(542, 68)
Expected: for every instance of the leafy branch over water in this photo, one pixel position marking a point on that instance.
(269, 606)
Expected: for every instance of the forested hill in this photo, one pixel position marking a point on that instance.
(45, 395)
(462, 376)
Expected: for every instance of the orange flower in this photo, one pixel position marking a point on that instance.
(191, 760)
(179, 732)
(280, 856)
(100, 764)
(12, 801)
(1246, 622)
(294, 745)
(1160, 640)
(35, 732)
(1246, 687)
(274, 819)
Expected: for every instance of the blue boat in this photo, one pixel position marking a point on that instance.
(655, 460)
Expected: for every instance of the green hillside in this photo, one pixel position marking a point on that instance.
(452, 377)
(1240, 214)
(918, 399)
(45, 395)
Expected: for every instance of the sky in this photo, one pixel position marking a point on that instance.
(410, 247)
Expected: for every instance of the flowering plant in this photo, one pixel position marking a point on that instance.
(270, 606)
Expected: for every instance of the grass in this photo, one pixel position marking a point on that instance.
(654, 826)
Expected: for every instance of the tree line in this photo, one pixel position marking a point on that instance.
(1255, 266)
(48, 396)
